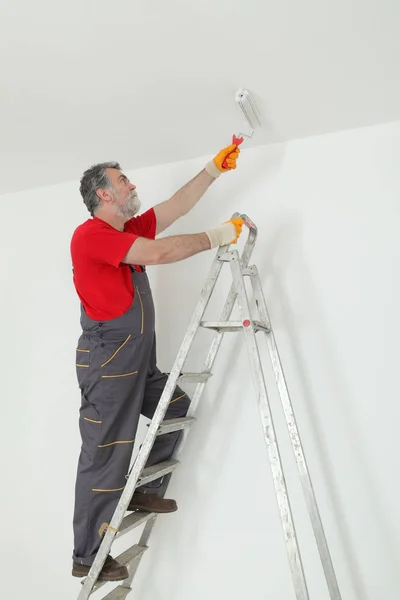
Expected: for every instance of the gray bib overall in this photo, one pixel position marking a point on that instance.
(118, 377)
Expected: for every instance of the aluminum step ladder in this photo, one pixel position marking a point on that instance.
(121, 523)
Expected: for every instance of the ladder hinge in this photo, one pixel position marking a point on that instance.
(229, 256)
(249, 271)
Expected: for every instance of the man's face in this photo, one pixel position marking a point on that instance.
(125, 199)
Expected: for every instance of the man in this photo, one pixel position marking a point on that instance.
(116, 354)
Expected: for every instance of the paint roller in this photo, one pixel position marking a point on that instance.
(251, 114)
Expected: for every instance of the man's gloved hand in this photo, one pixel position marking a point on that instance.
(225, 160)
(228, 233)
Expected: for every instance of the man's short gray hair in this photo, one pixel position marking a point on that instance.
(95, 179)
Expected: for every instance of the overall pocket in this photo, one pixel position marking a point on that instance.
(90, 424)
(121, 358)
(82, 360)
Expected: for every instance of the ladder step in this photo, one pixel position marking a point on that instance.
(120, 593)
(133, 520)
(170, 425)
(194, 377)
(226, 326)
(125, 559)
(156, 471)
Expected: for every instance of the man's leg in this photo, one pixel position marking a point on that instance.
(164, 445)
(107, 443)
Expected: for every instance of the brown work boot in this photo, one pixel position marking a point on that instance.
(111, 571)
(152, 503)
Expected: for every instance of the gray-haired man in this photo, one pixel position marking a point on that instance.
(116, 353)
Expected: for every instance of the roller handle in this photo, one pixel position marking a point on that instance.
(237, 141)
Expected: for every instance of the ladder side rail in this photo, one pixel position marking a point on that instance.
(296, 442)
(286, 517)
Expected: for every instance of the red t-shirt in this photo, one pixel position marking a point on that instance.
(103, 283)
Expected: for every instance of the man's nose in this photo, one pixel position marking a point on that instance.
(132, 187)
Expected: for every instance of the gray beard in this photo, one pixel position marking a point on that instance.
(131, 206)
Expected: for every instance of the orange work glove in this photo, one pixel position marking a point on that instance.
(225, 160)
(238, 224)
(228, 233)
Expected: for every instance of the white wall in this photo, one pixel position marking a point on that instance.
(328, 213)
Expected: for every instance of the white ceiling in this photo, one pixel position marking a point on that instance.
(152, 81)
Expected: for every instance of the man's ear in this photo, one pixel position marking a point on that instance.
(104, 195)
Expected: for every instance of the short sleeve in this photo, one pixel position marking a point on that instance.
(144, 225)
(108, 245)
